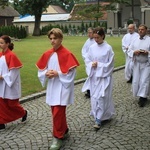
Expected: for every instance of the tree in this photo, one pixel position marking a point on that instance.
(32, 7)
(97, 10)
(36, 8)
(4, 3)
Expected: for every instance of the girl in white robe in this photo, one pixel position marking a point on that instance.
(99, 66)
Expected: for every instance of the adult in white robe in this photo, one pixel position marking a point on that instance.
(126, 41)
(99, 67)
(139, 51)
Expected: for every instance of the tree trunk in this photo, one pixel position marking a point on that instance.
(36, 31)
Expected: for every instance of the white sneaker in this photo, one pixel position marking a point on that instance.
(97, 126)
(56, 144)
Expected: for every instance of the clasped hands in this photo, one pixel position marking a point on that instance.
(51, 74)
(137, 52)
(94, 64)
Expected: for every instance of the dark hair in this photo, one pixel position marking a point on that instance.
(100, 31)
(143, 25)
(7, 39)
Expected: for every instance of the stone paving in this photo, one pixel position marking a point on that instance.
(128, 130)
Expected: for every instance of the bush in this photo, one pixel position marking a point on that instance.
(14, 31)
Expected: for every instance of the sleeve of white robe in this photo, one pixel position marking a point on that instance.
(84, 50)
(106, 69)
(67, 79)
(131, 51)
(42, 77)
(124, 44)
(88, 63)
(11, 76)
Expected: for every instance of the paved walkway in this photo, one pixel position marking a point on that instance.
(128, 130)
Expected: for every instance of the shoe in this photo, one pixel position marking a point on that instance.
(24, 118)
(2, 126)
(66, 134)
(56, 144)
(87, 95)
(97, 126)
(130, 81)
(142, 101)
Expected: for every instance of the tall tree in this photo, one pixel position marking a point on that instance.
(36, 8)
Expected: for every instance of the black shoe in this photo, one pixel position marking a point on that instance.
(2, 126)
(87, 95)
(24, 118)
(142, 101)
(130, 81)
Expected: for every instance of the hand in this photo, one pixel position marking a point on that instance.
(137, 52)
(143, 51)
(127, 48)
(51, 74)
(94, 64)
(1, 78)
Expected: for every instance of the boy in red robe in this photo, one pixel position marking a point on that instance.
(57, 66)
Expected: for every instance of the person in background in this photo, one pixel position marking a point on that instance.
(99, 67)
(139, 51)
(57, 66)
(126, 41)
(10, 84)
(85, 50)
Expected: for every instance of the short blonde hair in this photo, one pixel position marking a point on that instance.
(57, 32)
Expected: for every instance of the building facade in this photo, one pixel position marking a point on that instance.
(139, 13)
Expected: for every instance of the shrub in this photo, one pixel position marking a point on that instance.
(14, 31)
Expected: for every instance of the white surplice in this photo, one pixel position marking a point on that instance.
(86, 46)
(10, 86)
(100, 80)
(141, 69)
(60, 90)
(126, 41)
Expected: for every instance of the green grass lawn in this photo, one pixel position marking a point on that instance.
(30, 49)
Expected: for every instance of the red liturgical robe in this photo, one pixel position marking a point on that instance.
(66, 59)
(11, 60)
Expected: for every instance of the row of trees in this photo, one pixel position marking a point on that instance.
(72, 29)
(37, 7)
